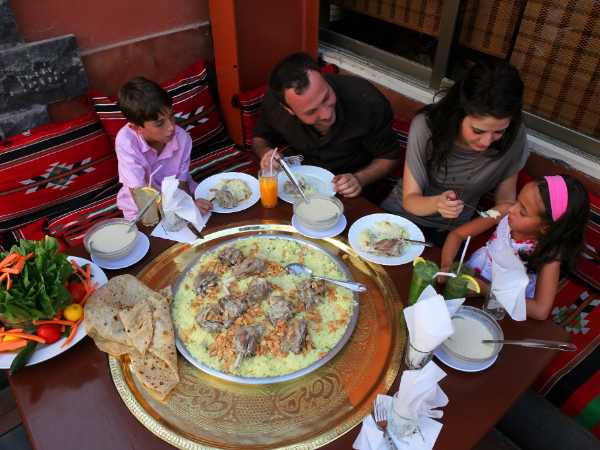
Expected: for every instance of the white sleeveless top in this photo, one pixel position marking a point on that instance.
(481, 260)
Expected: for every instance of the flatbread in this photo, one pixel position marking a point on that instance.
(139, 325)
(127, 317)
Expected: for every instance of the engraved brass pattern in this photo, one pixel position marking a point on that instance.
(205, 412)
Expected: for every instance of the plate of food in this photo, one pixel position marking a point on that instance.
(229, 191)
(54, 263)
(311, 179)
(239, 316)
(380, 239)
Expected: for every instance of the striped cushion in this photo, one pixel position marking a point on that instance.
(53, 169)
(195, 110)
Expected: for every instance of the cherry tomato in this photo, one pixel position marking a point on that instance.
(77, 291)
(50, 332)
(73, 312)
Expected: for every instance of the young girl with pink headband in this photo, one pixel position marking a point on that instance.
(544, 227)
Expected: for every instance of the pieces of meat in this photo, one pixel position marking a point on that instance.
(225, 197)
(245, 341)
(290, 189)
(230, 256)
(232, 308)
(309, 292)
(280, 310)
(294, 339)
(210, 319)
(203, 281)
(259, 289)
(250, 266)
(385, 247)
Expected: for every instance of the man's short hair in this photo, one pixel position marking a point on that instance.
(291, 73)
(141, 100)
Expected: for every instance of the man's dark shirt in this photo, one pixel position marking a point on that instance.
(361, 132)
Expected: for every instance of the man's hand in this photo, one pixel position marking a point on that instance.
(203, 205)
(347, 185)
(265, 162)
(448, 206)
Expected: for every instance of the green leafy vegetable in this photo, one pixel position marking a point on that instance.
(38, 292)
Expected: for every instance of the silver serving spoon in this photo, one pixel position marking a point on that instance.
(292, 178)
(143, 210)
(536, 343)
(299, 269)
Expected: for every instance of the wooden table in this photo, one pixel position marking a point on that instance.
(70, 402)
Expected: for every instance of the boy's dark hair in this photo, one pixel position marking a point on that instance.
(141, 100)
(291, 73)
(565, 239)
(488, 89)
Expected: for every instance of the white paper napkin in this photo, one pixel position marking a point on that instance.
(182, 204)
(419, 393)
(429, 321)
(183, 235)
(509, 281)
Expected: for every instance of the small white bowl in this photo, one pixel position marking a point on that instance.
(320, 225)
(109, 255)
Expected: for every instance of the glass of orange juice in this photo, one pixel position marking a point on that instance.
(268, 187)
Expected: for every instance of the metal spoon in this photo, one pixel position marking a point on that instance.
(536, 343)
(143, 210)
(299, 269)
(292, 178)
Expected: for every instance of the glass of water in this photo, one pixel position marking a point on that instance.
(399, 425)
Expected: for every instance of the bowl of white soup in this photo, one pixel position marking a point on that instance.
(473, 326)
(110, 240)
(322, 212)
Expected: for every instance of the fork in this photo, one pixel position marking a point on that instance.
(380, 416)
(481, 213)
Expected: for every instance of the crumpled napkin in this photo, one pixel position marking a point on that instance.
(429, 321)
(509, 281)
(182, 204)
(419, 393)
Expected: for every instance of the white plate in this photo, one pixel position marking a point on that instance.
(462, 366)
(331, 232)
(210, 182)
(316, 176)
(43, 351)
(139, 251)
(369, 222)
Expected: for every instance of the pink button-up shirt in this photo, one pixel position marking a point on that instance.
(137, 160)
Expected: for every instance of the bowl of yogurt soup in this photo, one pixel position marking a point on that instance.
(472, 326)
(321, 213)
(109, 239)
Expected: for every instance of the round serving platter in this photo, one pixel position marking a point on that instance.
(208, 412)
(246, 380)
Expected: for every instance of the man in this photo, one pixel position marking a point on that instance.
(338, 122)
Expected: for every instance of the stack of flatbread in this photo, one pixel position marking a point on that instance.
(126, 316)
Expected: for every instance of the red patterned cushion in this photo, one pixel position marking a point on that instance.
(52, 169)
(195, 110)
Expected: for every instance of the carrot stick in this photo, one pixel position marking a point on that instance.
(10, 258)
(71, 336)
(85, 298)
(77, 266)
(16, 269)
(25, 336)
(12, 345)
(8, 282)
(62, 328)
(79, 321)
(88, 273)
(60, 322)
(14, 330)
(3, 276)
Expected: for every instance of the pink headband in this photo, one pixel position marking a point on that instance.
(559, 195)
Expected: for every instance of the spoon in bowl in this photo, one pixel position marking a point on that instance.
(299, 269)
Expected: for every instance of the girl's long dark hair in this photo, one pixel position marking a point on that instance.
(565, 239)
(488, 89)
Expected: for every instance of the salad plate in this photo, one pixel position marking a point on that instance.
(370, 221)
(44, 352)
(204, 187)
(316, 177)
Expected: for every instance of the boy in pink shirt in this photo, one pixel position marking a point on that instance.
(150, 140)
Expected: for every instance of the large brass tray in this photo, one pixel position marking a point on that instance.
(205, 412)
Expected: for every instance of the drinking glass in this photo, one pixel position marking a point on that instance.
(457, 287)
(268, 187)
(399, 425)
(141, 196)
(423, 276)
(416, 359)
(171, 221)
(492, 306)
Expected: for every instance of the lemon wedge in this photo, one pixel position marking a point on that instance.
(417, 260)
(151, 191)
(473, 284)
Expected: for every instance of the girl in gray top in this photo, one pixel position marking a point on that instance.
(468, 143)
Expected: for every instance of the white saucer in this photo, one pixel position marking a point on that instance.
(328, 233)
(139, 250)
(462, 366)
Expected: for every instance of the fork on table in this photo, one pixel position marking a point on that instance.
(380, 416)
